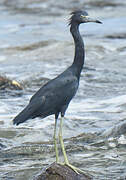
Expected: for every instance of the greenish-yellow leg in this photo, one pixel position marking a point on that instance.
(61, 142)
(77, 170)
(55, 143)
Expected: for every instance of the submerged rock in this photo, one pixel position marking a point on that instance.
(2, 146)
(116, 130)
(60, 172)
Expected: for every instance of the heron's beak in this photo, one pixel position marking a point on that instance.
(88, 19)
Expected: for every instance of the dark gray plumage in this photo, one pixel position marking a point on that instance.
(52, 98)
(55, 96)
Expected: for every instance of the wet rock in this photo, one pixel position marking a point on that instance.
(6, 83)
(60, 172)
(101, 3)
(2, 146)
(116, 36)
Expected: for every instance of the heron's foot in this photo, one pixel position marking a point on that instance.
(75, 169)
(58, 162)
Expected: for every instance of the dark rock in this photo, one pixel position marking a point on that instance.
(6, 83)
(60, 172)
(2, 146)
(117, 36)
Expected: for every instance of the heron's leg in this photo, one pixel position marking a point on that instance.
(66, 161)
(55, 143)
(61, 142)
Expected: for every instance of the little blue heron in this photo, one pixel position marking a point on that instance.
(55, 96)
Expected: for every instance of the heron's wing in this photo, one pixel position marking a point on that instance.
(55, 96)
(27, 112)
(50, 98)
(63, 85)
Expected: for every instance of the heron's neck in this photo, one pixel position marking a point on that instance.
(79, 49)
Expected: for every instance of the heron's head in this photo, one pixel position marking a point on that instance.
(79, 17)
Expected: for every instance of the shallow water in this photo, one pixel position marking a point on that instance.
(35, 46)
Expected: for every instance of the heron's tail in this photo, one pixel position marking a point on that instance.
(23, 115)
